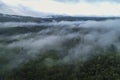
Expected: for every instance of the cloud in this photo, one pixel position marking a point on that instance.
(17, 24)
(115, 1)
(91, 1)
(68, 1)
(62, 7)
(19, 9)
(93, 34)
(75, 41)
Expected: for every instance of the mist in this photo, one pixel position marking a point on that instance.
(73, 40)
(17, 24)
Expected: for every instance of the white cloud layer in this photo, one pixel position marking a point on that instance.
(77, 41)
(68, 7)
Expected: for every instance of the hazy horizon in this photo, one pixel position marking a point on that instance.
(43, 8)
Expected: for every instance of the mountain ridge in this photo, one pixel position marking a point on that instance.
(18, 18)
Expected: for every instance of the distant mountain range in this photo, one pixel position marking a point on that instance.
(16, 18)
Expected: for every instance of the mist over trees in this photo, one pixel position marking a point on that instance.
(60, 49)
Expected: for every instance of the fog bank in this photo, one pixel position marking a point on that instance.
(77, 41)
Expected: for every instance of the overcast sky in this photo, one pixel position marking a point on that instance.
(65, 7)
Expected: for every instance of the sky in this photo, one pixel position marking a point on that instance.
(61, 7)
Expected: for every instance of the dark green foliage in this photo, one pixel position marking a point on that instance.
(20, 30)
(105, 66)
(48, 65)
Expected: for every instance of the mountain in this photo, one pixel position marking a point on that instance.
(81, 18)
(16, 18)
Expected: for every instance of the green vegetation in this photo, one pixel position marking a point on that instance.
(41, 53)
(105, 66)
(20, 30)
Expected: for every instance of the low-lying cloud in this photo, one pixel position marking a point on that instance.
(77, 40)
(17, 24)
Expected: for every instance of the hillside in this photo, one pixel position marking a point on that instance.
(16, 18)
